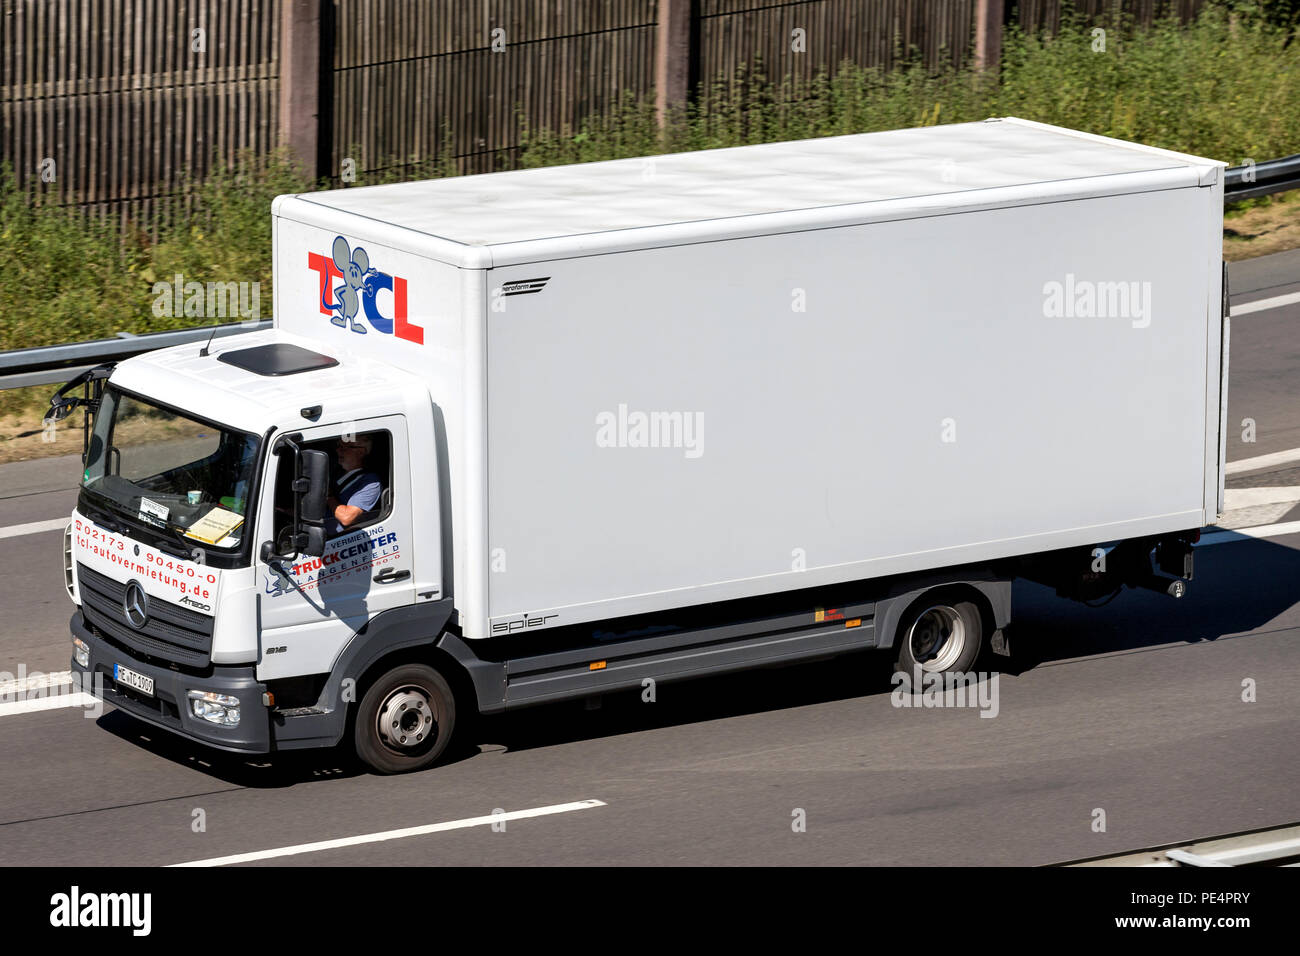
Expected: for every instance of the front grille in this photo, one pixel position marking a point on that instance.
(172, 633)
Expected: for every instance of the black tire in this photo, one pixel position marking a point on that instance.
(419, 710)
(939, 636)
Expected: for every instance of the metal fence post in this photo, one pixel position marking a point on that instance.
(988, 33)
(306, 63)
(675, 55)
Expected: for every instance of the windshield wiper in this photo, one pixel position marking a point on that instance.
(112, 525)
(104, 517)
(176, 550)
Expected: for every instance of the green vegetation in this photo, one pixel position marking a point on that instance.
(77, 277)
(1226, 86)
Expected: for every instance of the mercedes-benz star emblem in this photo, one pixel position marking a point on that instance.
(136, 605)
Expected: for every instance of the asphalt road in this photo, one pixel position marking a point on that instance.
(1135, 709)
(1264, 365)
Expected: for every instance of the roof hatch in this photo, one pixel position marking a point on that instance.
(278, 358)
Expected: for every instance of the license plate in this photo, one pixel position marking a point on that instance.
(133, 680)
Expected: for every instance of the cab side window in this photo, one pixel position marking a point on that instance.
(361, 482)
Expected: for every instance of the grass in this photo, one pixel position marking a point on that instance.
(79, 278)
(76, 278)
(1226, 86)
(1258, 227)
(1222, 87)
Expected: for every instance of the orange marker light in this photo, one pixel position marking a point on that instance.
(856, 622)
(597, 665)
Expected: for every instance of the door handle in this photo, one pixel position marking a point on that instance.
(389, 575)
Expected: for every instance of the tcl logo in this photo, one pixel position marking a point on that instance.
(358, 291)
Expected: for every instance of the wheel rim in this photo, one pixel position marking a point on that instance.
(937, 638)
(406, 719)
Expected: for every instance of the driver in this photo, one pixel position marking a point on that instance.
(357, 490)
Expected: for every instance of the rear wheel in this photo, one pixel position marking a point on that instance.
(940, 637)
(405, 720)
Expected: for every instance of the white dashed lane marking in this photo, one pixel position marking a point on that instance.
(396, 834)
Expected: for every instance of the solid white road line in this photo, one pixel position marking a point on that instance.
(1262, 305)
(1234, 498)
(1247, 534)
(23, 685)
(1262, 461)
(42, 692)
(34, 527)
(396, 834)
(79, 699)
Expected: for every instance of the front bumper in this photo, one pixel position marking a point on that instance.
(169, 707)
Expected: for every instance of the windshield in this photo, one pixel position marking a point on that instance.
(161, 468)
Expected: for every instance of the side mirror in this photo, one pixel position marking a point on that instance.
(313, 540)
(310, 489)
(313, 485)
(62, 404)
(91, 382)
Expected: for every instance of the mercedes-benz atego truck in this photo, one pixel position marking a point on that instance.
(555, 433)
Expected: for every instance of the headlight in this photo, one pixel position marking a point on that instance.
(214, 708)
(81, 652)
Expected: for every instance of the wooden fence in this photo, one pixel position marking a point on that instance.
(112, 104)
(739, 32)
(116, 106)
(1034, 15)
(403, 73)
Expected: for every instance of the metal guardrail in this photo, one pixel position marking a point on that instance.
(56, 364)
(1261, 179)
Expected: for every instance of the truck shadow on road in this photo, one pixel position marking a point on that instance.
(255, 772)
(1239, 587)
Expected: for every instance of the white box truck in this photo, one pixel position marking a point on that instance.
(550, 433)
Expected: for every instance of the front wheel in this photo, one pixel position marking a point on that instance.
(405, 720)
(940, 638)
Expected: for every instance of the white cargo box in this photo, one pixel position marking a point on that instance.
(712, 375)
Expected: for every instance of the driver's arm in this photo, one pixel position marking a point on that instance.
(347, 514)
(359, 502)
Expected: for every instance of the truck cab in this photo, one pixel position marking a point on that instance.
(215, 596)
